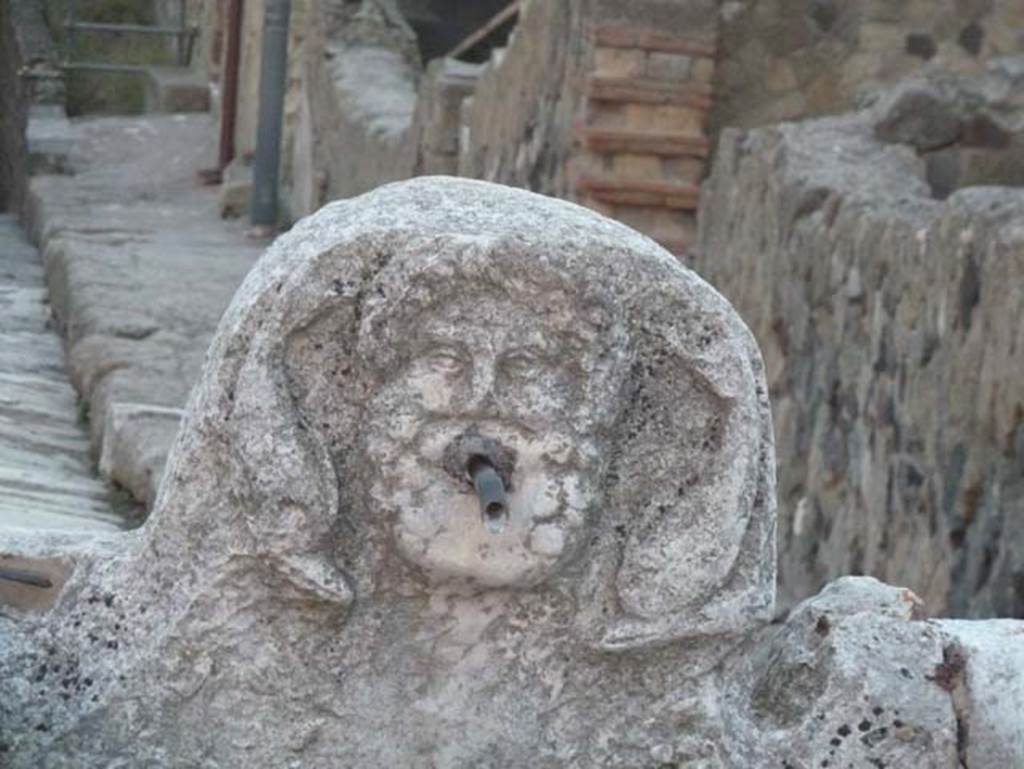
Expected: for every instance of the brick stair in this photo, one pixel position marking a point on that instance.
(641, 147)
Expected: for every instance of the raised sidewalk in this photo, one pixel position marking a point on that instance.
(140, 268)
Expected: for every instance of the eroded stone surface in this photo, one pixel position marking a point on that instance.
(857, 677)
(317, 587)
(920, 114)
(987, 689)
(846, 681)
(316, 583)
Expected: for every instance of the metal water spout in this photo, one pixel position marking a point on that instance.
(490, 490)
(488, 466)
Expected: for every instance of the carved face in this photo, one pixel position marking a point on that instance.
(511, 373)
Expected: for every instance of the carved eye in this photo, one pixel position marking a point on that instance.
(444, 360)
(523, 361)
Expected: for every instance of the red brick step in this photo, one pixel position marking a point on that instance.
(667, 143)
(640, 192)
(643, 90)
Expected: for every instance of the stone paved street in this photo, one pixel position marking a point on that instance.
(47, 479)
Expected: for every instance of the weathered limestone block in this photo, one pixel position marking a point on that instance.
(970, 128)
(856, 678)
(234, 197)
(477, 478)
(891, 327)
(49, 139)
(372, 105)
(176, 89)
(986, 660)
(918, 113)
(137, 439)
(518, 126)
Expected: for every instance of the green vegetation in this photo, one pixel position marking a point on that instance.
(107, 92)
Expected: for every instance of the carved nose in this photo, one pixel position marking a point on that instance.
(481, 386)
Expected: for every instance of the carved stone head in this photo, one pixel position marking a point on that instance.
(621, 397)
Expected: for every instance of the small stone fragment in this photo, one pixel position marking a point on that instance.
(917, 113)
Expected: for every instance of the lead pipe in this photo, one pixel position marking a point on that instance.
(490, 490)
(24, 577)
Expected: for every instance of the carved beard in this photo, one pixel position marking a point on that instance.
(437, 525)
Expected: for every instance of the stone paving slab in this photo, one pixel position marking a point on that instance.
(140, 268)
(47, 476)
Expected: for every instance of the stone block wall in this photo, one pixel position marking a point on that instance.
(892, 325)
(516, 129)
(786, 59)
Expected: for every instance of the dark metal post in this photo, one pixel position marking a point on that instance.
(273, 69)
(69, 31)
(182, 26)
(229, 94)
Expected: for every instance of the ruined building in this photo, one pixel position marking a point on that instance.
(457, 474)
(910, 471)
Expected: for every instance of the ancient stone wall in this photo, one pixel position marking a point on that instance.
(517, 128)
(892, 325)
(785, 59)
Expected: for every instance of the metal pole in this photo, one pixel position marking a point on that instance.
(69, 32)
(273, 68)
(229, 97)
(182, 18)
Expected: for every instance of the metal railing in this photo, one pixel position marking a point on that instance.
(185, 34)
